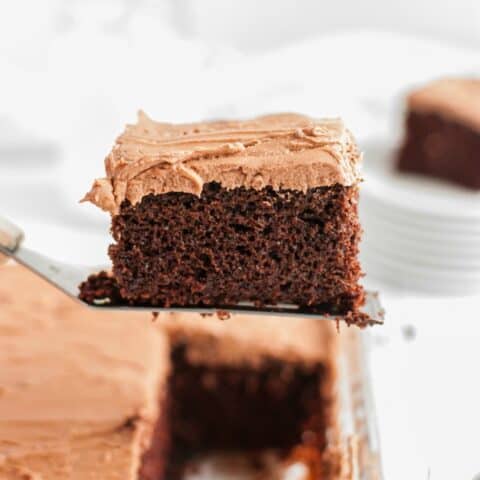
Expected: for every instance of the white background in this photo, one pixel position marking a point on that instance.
(73, 72)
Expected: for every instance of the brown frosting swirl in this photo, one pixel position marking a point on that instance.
(455, 98)
(285, 151)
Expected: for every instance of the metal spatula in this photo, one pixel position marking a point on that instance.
(68, 278)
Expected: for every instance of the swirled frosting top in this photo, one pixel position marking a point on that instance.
(284, 151)
(455, 98)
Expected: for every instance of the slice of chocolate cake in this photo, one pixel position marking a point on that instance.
(101, 395)
(217, 213)
(443, 132)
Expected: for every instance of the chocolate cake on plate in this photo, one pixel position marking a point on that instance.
(442, 137)
(89, 394)
(218, 213)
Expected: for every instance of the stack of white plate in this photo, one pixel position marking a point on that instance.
(419, 233)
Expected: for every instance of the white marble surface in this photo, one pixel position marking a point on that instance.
(59, 117)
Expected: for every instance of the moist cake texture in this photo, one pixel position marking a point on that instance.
(217, 213)
(85, 395)
(443, 132)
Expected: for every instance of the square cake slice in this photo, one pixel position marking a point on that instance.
(442, 136)
(216, 213)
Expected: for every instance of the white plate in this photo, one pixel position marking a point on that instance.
(412, 279)
(403, 237)
(420, 234)
(436, 273)
(423, 257)
(414, 193)
(397, 238)
(381, 209)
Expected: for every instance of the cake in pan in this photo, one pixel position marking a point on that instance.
(87, 394)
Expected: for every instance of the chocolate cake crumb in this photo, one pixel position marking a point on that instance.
(100, 288)
(223, 315)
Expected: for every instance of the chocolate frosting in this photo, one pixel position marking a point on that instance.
(455, 98)
(284, 151)
(78, 391)
(249, 340)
